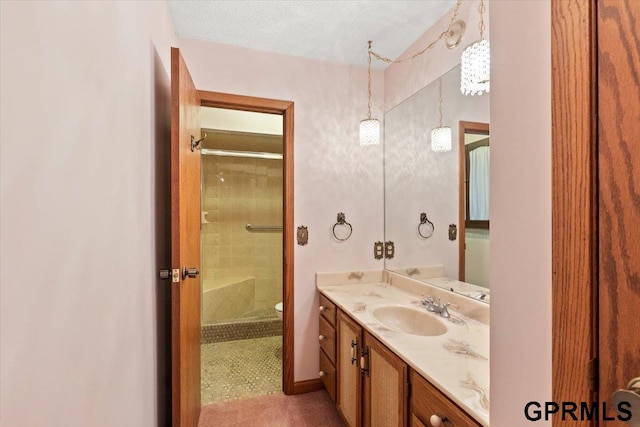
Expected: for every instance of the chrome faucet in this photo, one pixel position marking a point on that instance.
(436, 307)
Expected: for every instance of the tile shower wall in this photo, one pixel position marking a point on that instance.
(238, 191)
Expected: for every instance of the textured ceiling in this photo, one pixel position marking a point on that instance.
(330, 30)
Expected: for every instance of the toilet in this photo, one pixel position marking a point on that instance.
(279, 310)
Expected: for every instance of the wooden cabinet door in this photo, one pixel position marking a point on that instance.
(385, 386)
(348, 371)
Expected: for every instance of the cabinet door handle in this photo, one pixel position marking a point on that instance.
(322, 308)
(321, 337)
(321, 374)
(364, 362)
(354, 351)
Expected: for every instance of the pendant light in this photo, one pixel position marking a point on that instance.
(475, 63)
(369, 127)
(440, 136)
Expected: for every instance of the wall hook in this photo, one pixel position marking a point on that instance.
(195, 145)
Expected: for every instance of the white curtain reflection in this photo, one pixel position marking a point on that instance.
(479, 184)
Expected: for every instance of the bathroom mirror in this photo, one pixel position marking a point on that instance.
(425, 196)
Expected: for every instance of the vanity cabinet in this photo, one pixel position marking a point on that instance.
(327, 338)
(428, 406)
(371, 385)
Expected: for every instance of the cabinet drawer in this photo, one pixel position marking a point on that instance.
(328, 310)
(426, 401)
(328, 373)
(328, 341)
(415, 421)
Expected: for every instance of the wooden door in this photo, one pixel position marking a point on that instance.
(618, 195)
(185, 246)
(348, 370)
(596, 210)
(385, 386)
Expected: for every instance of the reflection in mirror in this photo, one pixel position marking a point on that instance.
(474, 203)
(418, 181)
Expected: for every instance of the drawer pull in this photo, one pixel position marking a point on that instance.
(323, 308)
(438, 420)
(322, 374)
(321, 337)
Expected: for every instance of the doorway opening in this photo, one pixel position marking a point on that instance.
(241, 253)
(247, 246)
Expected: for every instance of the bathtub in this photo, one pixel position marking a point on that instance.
(226, 298)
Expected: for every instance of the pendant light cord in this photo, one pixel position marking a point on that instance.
(481, 9)
(440, 100)
(369, 85)
(429, 46)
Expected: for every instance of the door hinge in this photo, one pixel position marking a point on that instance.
(592, 374)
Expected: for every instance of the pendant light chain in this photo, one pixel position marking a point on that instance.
(369, 85)
(428, 47)
(440, 100)
(481, 9)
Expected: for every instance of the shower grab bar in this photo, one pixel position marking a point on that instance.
(252, 227)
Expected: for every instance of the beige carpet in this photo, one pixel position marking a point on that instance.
(275, 410)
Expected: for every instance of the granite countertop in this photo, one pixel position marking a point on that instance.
(457, 362)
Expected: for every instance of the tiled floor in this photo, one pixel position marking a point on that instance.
(240, 369)
(276, 410)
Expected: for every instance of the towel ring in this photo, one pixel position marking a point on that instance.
(424, 220)
(341, 221)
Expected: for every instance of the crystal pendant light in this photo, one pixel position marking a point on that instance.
(369, 127)
(475, 64)
(440, 136)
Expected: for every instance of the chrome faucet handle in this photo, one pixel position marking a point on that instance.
(444, 312)
(429, 303)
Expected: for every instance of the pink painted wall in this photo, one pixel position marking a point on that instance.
(520, 272)
(332, 172)
(85, 118)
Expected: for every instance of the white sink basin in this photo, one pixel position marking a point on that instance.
(410, 320)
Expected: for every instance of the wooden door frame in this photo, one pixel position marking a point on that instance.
(464, 127)
(285, 109)
(574, 201)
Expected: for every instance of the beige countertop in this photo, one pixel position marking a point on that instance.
(457, 362)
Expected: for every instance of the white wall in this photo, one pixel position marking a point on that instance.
(332, 172)
(85, 118)
(520, 208)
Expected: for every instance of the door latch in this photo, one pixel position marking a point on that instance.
(191, 273)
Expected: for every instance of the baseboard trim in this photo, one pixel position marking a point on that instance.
(307, 386)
